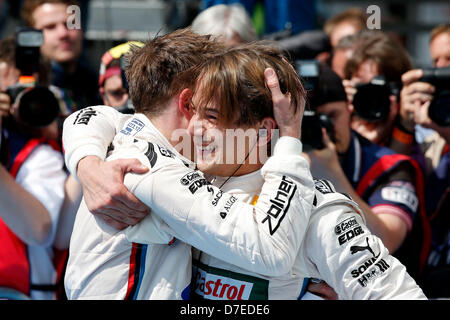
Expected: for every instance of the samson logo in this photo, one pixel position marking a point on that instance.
(378, 269)
(280, 204)
(84, 116)
(215, 287)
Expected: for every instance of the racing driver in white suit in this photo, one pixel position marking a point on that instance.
(338, 247)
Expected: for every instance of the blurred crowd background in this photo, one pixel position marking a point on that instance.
(110, 22)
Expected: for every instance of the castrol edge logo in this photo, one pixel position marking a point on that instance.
(216, 287)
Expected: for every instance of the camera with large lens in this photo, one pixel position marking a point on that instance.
(371, 101)
(36, 105)
(313, 122)
(439, 110)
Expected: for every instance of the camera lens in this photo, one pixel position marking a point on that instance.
(38, 107)
(371, 102)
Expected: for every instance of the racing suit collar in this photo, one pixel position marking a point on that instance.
(241, 183)
(150, 131)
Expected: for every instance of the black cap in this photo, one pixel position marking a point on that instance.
(329, 88)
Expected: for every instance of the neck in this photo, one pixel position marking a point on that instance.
(169, 123)
(69, 67)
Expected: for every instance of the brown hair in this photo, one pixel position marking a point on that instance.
(354, 16)
(391, 58)
(153, 69)
(29, 6)
(442, 28)
(235, 82)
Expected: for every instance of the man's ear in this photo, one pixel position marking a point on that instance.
(265, 130)
(184, 103)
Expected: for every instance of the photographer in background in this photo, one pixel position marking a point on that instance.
(32, 175)
(63, 47)
(425, 103)
(375, 177)
(113, 85)
(348, 22)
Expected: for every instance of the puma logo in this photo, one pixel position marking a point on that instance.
(355, 249)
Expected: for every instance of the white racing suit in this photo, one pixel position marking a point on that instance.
(105, 263)
(337, 248)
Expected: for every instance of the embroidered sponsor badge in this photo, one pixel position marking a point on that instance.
(133, 127)
(347, 230)
(219, 284)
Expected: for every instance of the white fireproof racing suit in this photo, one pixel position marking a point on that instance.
(105, 263)
(338, 248)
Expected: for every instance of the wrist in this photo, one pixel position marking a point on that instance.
(86, 163)
(290, 132)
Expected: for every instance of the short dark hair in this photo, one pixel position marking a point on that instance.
(235, 81)
(29, 6)
(152, 69)
(390, 56)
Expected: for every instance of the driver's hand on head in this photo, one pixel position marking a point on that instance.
(105, 194)
(288, 121)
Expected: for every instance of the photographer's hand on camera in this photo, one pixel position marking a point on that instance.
(415, 97)
(325, 162)
(5, 104)
(350, 90)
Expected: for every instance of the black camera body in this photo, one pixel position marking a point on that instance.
(371, 101)
(37, 106)
(312, 122)
(439, 110)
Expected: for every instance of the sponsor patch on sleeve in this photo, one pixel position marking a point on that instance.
(133, 127)
(402, 195)
(84, 116)
(194, 180)
(280, 204)
(324, 186)
(347, 230)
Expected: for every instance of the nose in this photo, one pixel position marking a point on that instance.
(63, 32)
(442, 62)
(195, 127)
